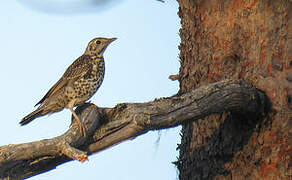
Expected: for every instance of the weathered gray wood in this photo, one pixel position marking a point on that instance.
(109, 126)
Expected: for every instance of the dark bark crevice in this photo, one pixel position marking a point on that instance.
(231, 137)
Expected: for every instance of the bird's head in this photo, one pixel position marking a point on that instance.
(98, 45)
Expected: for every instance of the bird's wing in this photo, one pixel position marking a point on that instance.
(77, 69)
(61, 83)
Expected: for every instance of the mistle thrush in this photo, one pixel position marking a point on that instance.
(79, 82)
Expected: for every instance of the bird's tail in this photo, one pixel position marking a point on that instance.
(27, 119)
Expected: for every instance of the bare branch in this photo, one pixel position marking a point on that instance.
(109, 126)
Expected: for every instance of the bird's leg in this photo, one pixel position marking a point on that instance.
(80, 125)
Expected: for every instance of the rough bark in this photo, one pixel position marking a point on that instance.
(239, 39)
(109, 126)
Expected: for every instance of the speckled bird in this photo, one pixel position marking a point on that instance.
(79, 82)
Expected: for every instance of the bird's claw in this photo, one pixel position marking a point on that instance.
(82, 158)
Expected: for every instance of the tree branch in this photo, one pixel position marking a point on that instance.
(109, 126)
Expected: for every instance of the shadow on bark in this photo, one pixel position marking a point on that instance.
(230, 137)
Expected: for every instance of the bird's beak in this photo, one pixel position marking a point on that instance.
(112, 39)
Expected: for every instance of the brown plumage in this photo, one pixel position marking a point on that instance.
(79, 82)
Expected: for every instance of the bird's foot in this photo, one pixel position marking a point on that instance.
(82, 158)
(80, 126)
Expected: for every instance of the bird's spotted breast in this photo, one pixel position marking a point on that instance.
(87, 85)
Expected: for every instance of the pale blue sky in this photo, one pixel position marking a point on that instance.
(39, 41)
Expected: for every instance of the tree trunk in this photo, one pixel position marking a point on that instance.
(240, 39)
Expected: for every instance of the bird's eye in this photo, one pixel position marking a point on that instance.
(97, 42)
